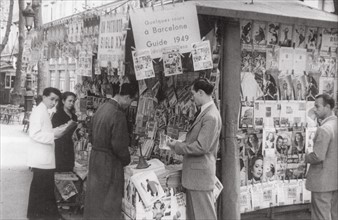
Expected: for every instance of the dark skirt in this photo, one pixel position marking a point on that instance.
(42, 203)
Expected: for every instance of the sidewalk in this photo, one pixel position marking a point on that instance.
(15, 177)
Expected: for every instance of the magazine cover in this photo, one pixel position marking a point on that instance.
(257, 196)
(299, 86)
(201, 55)
(245, 199)
(246, 62)
(269, 191)
(281, 200)
(179, 206)
(246, 31)
(311, 118)
(293, 192)
(266, 114)
(250, 89)
(172, 62)
(306, 193)
(66, 188)
(253, 143)
(283, 142)
(299, 61)
(272, 58)
(218, 188)
(243, 162)
(286, 87)
(255, 171)
(269, 168)
(148, 187)
(328, 85)
(296, 157)
(259, 66)
(311, 38)
(162, 209)
(285, 61)
(323, 64)
(333, 67)
(293, 113)
(143, 64)
(285, 35)
(246, 117)
(259, 33)
(269, 140)
(312, 88)
(270, 85)
(273, 34)
(299, 36)
(310, 135)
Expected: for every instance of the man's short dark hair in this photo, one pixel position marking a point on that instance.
(130, 89)
(47, 91)
(326, 99)
(203, 84)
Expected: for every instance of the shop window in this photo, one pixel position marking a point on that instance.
(52, 79)
(62, 81)
(9, 81)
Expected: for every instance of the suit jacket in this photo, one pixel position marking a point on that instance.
(323, 172)
(41, 147)
(200, 149)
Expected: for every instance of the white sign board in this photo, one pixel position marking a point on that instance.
(170, 25)
(112, 37)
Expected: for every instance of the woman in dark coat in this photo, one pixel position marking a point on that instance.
(64, 149)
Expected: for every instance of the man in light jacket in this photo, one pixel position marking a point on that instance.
(322, 177)
(41, 158)
(199, 151)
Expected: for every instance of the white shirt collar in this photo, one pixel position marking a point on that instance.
(206, 105)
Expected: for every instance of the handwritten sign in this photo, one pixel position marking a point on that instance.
(143, 64)
(165, 26)
(112, 38)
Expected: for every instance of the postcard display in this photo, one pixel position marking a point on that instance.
(167, 41)
(283, 68)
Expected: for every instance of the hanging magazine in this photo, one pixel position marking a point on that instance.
(66, 188)
(201, 55)
(143, 64)
(172, 62)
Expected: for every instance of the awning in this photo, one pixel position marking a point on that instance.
(286, 11)
(6, 67)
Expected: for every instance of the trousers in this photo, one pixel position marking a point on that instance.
(324, 205)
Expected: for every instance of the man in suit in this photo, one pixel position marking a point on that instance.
(322, 177)
(109, 155)
(199, 151)
(41, 157)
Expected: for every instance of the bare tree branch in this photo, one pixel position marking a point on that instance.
(8, 26)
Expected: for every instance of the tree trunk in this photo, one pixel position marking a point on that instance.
(8, 27)
(41, 81)
(17, 93)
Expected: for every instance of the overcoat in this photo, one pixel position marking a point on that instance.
(108, 157)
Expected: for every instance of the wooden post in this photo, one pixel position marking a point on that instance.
(230, 100)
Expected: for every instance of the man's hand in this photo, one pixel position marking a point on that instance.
(171, 143)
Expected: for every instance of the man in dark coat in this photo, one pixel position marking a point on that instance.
(108, 157)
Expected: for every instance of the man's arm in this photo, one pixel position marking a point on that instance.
(320, 146)
(204, 140)
(35, 129)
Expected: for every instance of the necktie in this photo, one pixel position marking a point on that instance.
(196, 114)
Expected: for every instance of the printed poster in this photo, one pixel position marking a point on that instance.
(111, 46)
(259, 66)
(85, 60)
(246, 62)
(266, 114)
(273, 33)
(246, 117)
(286, 87)
(286, 60)
(272, 58)
(143, 64)
(245, 199)
(329, 40)
(285, 35)
(166, 26)
(299, 61)
(246, 31)
(299, 36)
(270, 85)
(172, 62)
(259, 33)
(201, 55)
(299, 86)
(311, 38)
(293, 113)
